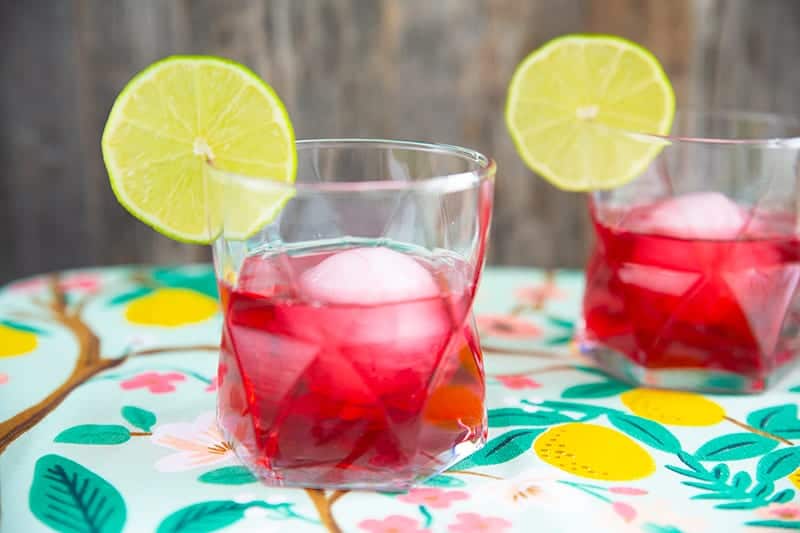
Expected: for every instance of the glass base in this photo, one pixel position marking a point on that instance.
(387, 479)
(688, 379)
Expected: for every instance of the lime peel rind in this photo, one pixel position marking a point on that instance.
(646, 145)
(113, 147)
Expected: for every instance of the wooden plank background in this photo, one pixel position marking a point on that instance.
(433, 70)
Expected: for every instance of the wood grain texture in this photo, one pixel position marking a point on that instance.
(403, 69)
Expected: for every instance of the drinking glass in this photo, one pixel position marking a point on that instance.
(693, 280)
(350, 357)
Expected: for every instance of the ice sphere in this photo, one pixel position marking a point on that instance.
(387, 315)
(702, 215)
(368, 276)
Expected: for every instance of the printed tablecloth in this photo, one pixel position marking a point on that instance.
(107, 396)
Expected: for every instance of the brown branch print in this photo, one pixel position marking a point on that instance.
(324, 505)
(88, 364)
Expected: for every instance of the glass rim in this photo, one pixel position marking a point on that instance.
(484, 168)
(753, 117)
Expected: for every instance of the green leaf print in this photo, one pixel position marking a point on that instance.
(658, 528)
(70, 498)
(602, 389)
(444, 482)
(780, 420)
(718, 484)
(139, 418)
(200, 279)
(505, 417)
(129, 296)
(501, 449)
(786, 495)
(19, 326)
(779, 524)
(735, 446)
(778, 464)
(646, 431)
(204, 517)
(94, 434)
(559, 340)
(228, 475)
(561, 322)
(210, 516)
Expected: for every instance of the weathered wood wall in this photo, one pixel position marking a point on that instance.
(434, 70)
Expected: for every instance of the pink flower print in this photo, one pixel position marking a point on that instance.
(780, 511)
(434, 498)
(87, 283)
(156, 383)
(213, 386)
(537, 295)
(195, 444)
(475, 523)
(3, 378)
(29, 285)
(517, 382)
(624, 510)
(507, 326)
(629, 491)
(392, 524)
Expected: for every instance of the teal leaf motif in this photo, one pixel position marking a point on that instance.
(646, 431)
(210, 516)
(741, 480)
(68, 497)
(796, 388)
(721, 472)
(129, 296)
(501, 449)
(198, 279)
(561, 322)
(426, 516)
(228, 475)
(19, 326)
(505, 417)
(686, 473)
(780, 524)
(559, 340)
(741, 505)
(94, 434)
(601, 389)
(762, 418)
(780, 420)
(778, 464)
(588, 411)
(444, 481)
(786, 495)
(718, 484)
(658, 528)
(735, 446)
(139, 418)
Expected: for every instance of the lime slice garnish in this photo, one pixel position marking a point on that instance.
(572, 103)
(176, 119)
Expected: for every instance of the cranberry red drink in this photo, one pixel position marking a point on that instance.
(349, 353)
(693, 281)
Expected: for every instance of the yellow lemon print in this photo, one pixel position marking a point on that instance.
(674, 408)
(595, 452)
(14, 342)
(171, 307)
(794, 477)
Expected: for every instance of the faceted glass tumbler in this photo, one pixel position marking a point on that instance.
(693, 279)
(350, 357)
